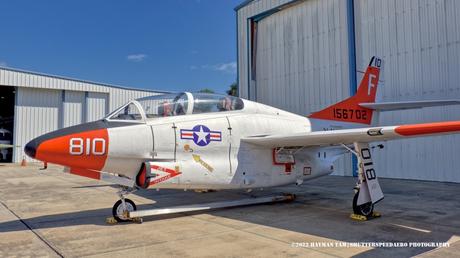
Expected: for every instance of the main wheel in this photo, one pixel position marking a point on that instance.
(118, 210)
(365, 209)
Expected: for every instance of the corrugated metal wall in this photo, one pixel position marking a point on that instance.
(17, 78)
(73, 108)
(303, 49)
(119, 97)
(254, 8)
(46, 102)
(301, 59)
(36, 112)
(418, 39)
(96, 106)
(420, 43)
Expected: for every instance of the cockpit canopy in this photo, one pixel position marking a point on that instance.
(175, 105)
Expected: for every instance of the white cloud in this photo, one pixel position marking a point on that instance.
(136, 57)
(227, 67)
(222, 67)
(4, 64)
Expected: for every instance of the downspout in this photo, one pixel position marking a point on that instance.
(352, 64)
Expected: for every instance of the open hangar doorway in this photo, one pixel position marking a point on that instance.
(7, 102)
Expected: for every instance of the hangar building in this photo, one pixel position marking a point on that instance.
(303, 55)
(33, 104)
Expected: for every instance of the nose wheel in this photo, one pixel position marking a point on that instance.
(121, 208)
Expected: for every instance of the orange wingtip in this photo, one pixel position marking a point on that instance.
(428, 128)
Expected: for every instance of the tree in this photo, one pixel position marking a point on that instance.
(233, 91)
(206, 90)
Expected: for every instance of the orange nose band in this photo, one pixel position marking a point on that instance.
(87, 149)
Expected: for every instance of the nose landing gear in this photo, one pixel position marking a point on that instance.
(122, 207)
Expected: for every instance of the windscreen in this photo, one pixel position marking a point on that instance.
(165, 105)
(209, 103)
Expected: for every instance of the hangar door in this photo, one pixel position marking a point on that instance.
(300, 56)
(36, 113)
(73, 107)
(419, 42)
(299, 59)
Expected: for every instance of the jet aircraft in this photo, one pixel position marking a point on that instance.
(206, 141)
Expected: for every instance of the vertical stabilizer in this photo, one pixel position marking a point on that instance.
(348, 113)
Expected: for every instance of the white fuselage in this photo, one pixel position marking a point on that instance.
(208, 151)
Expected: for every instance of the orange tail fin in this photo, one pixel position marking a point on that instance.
(349, 110)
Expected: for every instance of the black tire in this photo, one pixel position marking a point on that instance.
(117, 210)
(365, 209)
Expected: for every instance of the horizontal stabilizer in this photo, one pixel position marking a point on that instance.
(391, 106)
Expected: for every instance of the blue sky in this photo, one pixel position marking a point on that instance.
(167, 45)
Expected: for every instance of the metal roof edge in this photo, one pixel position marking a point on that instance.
(243, 4)
(79, 80)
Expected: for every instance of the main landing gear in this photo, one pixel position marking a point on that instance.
(365, 209)
(367, 190)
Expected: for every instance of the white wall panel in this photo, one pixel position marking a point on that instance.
(420, 43)
(302, 57)
(36, 113)
(73, 108)
(119, 97)
(96, 106)
(254, 8)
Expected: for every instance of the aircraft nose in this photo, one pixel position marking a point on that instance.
(31, 148)
(82, 146)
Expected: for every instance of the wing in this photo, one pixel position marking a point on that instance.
(349, 136)
(391, 106)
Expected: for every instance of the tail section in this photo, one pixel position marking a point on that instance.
(348, 113)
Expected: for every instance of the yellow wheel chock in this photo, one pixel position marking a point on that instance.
(358, 217)
(112, 220)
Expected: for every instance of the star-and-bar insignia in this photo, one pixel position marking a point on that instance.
(201, 135)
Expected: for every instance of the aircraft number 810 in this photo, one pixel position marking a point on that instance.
(79, 146)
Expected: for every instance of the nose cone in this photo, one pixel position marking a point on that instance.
(82, 146)
(31, 148)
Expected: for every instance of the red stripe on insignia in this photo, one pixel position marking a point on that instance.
(428, 128)
(171, 173)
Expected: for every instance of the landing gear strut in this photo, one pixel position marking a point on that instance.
(123, 206)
